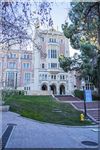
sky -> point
(59, 15)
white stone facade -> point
(48, 76)
(37, 71)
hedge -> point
(80, 94)
(7, 93)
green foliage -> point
(9, 93)
(88, 49)
(84, 23)
(96, 97)
(65, 63)
(43, 108)
(79, 94)
(84, 34)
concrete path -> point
(33, 134)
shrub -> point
(7, 93)
(96, 97)
(79, 94)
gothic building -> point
(36, 69)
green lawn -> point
(43, 108)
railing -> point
(54, 70)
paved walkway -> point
(93, 108)
(33, 134)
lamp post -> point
(0, 93)
(1, 82)
(83, 86)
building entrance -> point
(62, 90)
(44, 87)
(53, 89)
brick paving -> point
(67, 98)
(94, 114)
(89, 105)
(93, 108)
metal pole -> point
(0, 94)
(85, 111)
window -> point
(53, 54)
(48, 53)
(51, 40)
(14, 55)
(42, 66)
(39, 76)
(11, 65)
(54, 40)
(62, 77)
(48, 65)
(27, 88)
(26, 56)
(24, 88)
(26, 65)
(53, 65)
(91, 86)
(53, 77)
(11, 55)
(27, 77)
(45, 76)
(61, 40)
(42, 39)
(11, 79)
(42, 76)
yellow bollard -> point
(82, 117)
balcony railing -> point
(54, 70)
(52, 43)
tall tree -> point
(84, 34)
(19, 18)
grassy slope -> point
(42, 108)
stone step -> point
(67, 98)
(4, 108)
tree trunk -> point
(99, 49)
(99, 76)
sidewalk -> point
(34, 134)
